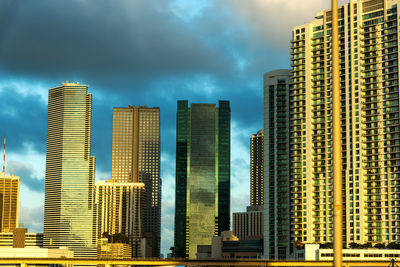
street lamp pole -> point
(337, 143)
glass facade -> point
(202, 175)
(69, 210)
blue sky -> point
(138, 52)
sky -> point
(139, 52)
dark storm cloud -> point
(101, 41)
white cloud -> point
(32, 218)
(273, 20)
(30, 158)
(26, 88)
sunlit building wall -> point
(69, 210)
(9, 201)
(119, 211)
(202, 206)
(276, 164)
(369, 83)
(136, 158)
(257, 169)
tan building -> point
(136, 158)
(257, 169)
(313, 252)
(370, 125)
(69, 210)
(120, 211)
(9, 201)
(21, 239)
(108, 250)
(228, 246)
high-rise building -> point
(369, 83)
(202, 197)
(276, 164)
(249, 225)
(119, 211)
(257, 169)
(136, 158)
(9, 200)
(69, 210)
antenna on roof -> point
(4, 155)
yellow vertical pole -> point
(337, 143)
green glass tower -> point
(202, 206)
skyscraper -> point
(276, 164)
(370, 125)
(69, 210)
(119, 211)
(202, 198)
(257, 169)
(136, 158)
(9, 200)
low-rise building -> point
(20, 238)
(228, 246)
(108, 250)
(35, 252)
(314, 252)
(250, 224)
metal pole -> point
(337, 143)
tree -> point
(380, 245)
(393, 245)
(354, 245)
(366, 245)
(327, 245)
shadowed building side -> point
(257, 169)
(276, 165)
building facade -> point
(69, 210)
(202, 206)
(257, 169)
(276, 164)
(9, 202)
(249, 225)
(369, 82)
(136, 159)
(119, 211)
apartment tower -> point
(276, 164)
(136, 159)
(370, 125)
(9, 200)
(69, 210)
(202, 198)
(257, 169)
